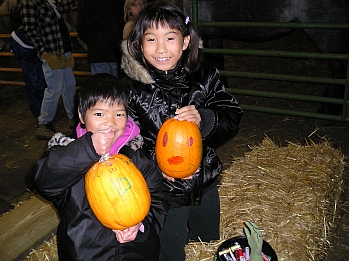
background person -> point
(45, 28)
(99, 26)
(33, 75)
(131, 11)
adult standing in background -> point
(100, 25)
(45, 28)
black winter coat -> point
(154, 97)
(59, 178)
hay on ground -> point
(47, 251)
(291, 193)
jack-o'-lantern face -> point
(178, 148)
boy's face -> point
(103, 115)
(163, 47)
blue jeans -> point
(60, 82)
(111, 68)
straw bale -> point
(290, 192)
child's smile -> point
(106, 117)
(163, 47)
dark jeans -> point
(189, 223)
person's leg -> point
(113, 69)
(54, 81)
(110, 68)
(174, 235)
(68, 94)
(99, 68)
(204, 219)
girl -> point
(131, 10)
(166, 79)
(60, 177)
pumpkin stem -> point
(104, 157)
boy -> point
(59, 178)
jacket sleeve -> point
(63, 167)
(155, 219)
(15, 49)
(30, 17)
(221, 113)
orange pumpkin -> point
(117, 192)
(178, 148)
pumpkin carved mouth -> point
(175, 160)
(178, 148)
(190, 167)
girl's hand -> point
(103, 140)
(168, 177)
(127, 235)
(189, 113)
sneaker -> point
(45, 131)
(72, 123)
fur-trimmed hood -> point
(132, 68)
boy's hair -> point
(15, 16)
(164, 14)
(102, 87)
(127, 15)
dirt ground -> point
(20, 149)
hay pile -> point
(47, 251)
(291, 193)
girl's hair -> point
(164, 14)
(127, 14)
(102, 87)
(15, 16)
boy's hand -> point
(189, 113)
(127, 235)
(102, 141)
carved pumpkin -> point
(117, 192)
(178, 148)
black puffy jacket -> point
(59, 178)
(154, 97)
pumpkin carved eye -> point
(190, 141)
(165, 140)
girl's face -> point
(163, 47)
(136, 7)
(103, 115)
